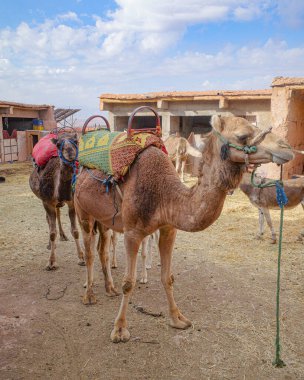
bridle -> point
(72, 163)
(247, 149)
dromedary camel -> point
(179, 149)
(53, 185)
(154, 198)
(265, 199)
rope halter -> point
(72, 163)
(247, 149)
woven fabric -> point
(113, 152)
(44, 150)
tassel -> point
(225, 152)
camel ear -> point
(54, 141)
(217, 123)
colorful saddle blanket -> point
(44, 150)
(112, 152)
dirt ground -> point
(225, 282)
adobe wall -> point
(287, 111)
(48, 118)
(170, 115)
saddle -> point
(44, 150)
(114, 152)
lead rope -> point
(282, 201)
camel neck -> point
(202, 204)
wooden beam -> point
(223, 102)
(162, 104)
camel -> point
(155, 198)
(52, 184)
(146, 253)
(179, 149)
(265, 199)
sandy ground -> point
(225, 283)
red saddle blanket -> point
(44, 150)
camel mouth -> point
(279, 160)
(282, 158)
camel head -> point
(242, 142)
(67, 145)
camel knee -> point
(85, 224)
(52, 236)
(167, 281)
(75, 234)
(127, 287)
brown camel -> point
(154, 198)
(265, 199)
(53, 185)
(179, 149)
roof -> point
(185, 95)
(287, 81)
(4, 103)
(62, 113)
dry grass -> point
(225, 283)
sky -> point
(68, 52)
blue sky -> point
(68, 52)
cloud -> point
(72, 16)
(291, 12)
(67, 62)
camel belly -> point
(92, 198)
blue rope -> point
(106, 182)
(70, 163)
(282, 199)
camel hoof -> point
(273, 241)
(259, 237)
(50, 267)
(89, 299)
(112, 292)
(81, 262)
(148, 266)
(120, 335)
(114, 266)
(143, 280)
(48, 247)
(180, 322)
(300, 238)
(64, 238)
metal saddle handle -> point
(156, 130)
(93, 117)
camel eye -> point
(242, 139)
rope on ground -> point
(55, 298)
(144, 311)
(282, 201)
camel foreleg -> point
(51, 218)
(120, 333)
(114, 240)
(144, 254)
(103, 251)
(166, 242)
(62, 235)
(261, 224)
(87, 228)
(269, 222)
(75, 233)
